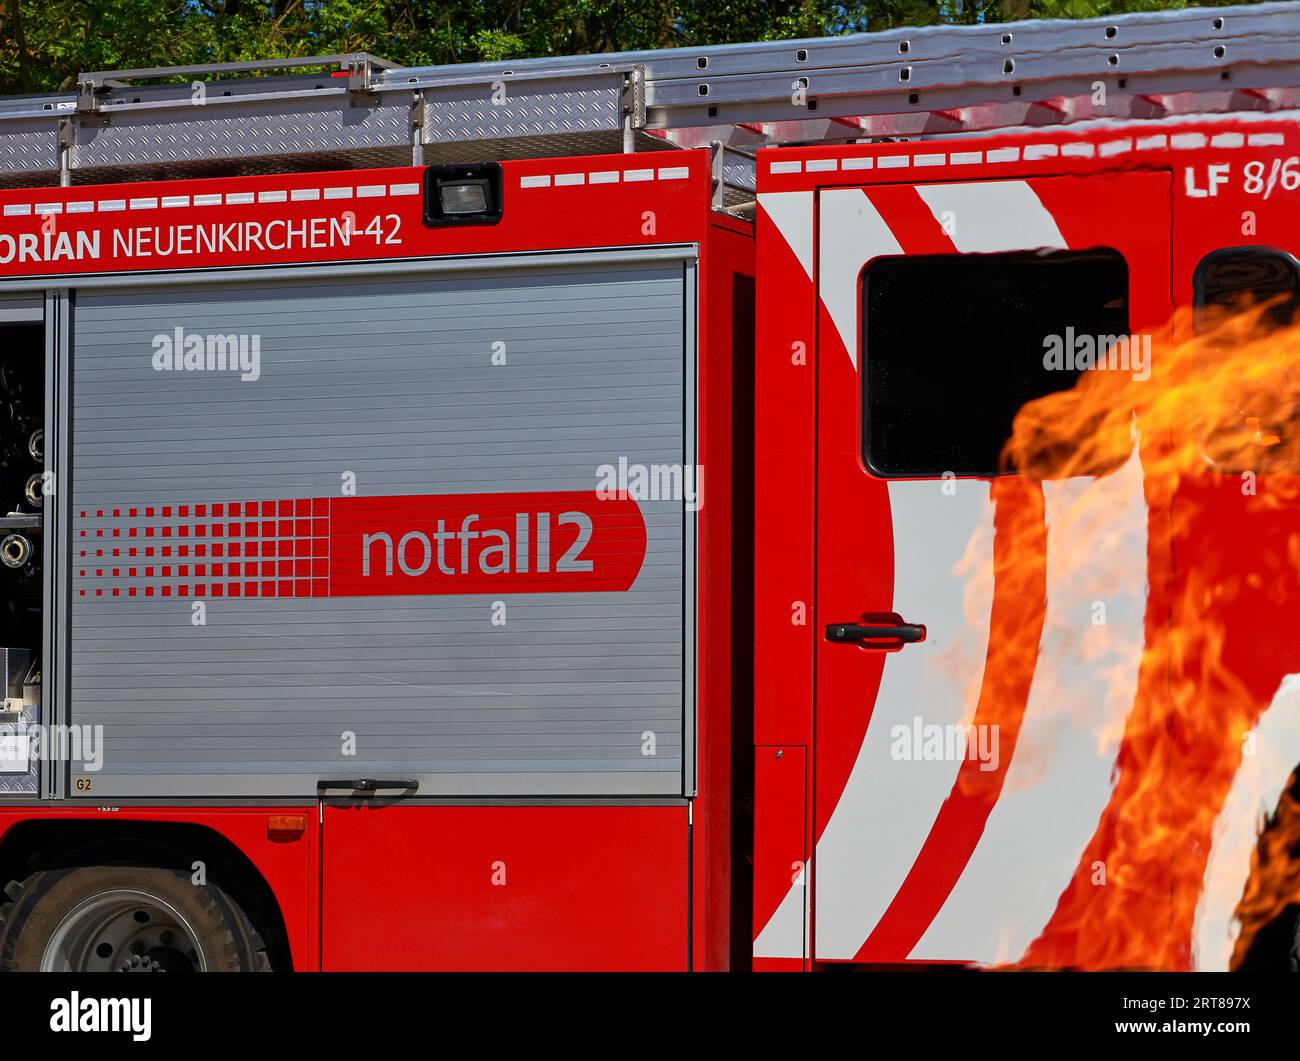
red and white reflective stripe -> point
(889, 805)
(1059, 781)
(786, 933)
(852, 234)
(792, 214)
(1256, 788)
(988, 216)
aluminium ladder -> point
(355, 110)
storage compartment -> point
(331, 529)
(22, 489)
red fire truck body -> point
(542, 881)
(591, 560)
(861, 855)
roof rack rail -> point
(914, 83)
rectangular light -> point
(462, 195)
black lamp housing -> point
(463, 195)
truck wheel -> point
(126, 919)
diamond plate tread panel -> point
(29, 147)
(739, 171)
(28, 783)
(242, 130)
(527, 108)
(246, 166)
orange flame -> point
(1214, 429)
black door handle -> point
(903, 633)
(369, 784)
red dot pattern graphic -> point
(261, 549)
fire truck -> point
(556, 514)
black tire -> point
(221, 939)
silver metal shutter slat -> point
(388, 378)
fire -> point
(1212, 435)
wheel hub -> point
(124, 931)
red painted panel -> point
(505, 888)
(780, 855)
(725, 579)
(357, 215)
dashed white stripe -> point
(605, 176)
(563, 179)
(633, 175)
(674, 173)
(272, 195)
(1035, 152)
(536, 180)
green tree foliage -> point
(44, 44)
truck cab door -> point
(980, 628)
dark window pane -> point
(1256, 428)
(1230, 281)
(953, 346)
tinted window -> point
(1230, 281)
(1250, 430)
(953, 346)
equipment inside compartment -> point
(22, 486)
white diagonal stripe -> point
(852, 234)
(986, 216)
